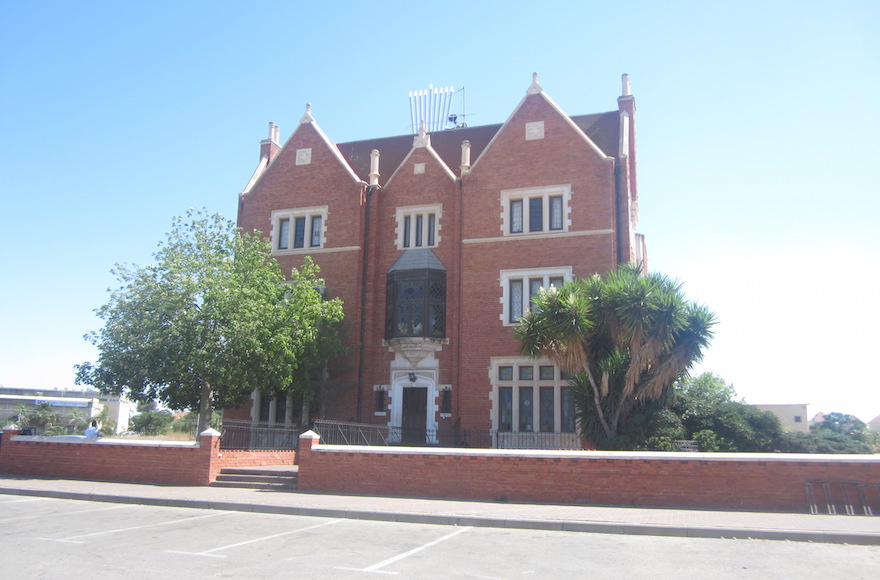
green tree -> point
(77, 421)
(209, 322)
(822, 441)
(703, 409)
(628, 335)
(40, 418)
(152, 422)
(848, 425)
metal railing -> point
(242, 434)
(345, 433)
(852, 498)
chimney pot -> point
(374, 167)
(465, 156)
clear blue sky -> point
(757, 134)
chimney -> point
(374, 167)
(465, 157)
(269, 147)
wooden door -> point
(415, 408)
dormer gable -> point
(421, 149)
(301, 149)
(534, 129)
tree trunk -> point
(204, 407)
(304, 416)
(610, 431)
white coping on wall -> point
(105, 441)
(620, 455)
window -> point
(417, 226)
(308, 229)
(516, 216)
(446, 402)
(532, 396)
(535, 210)
(283, 233)
(519, 287)
(415, 304)
(379, 401)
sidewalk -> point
(572, 518)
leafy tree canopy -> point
(627, 335)
(152, 422)
(843, 424)
(704, 409)
(211, 320)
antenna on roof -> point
(433, 106)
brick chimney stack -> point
(270, 147)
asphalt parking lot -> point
(47, 537)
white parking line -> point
(73, 513)
(75, 539)
(254, 541)
(378, 566)
(24, 500)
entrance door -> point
(415, 408)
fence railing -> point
(242, 434)
(345, 433)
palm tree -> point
(77, 421)
(627, 337)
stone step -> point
(255, 478)
(287, 486)
(289, 470)
(278, 478)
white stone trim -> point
(527, 193)
(413, 211)
(534, 130)
(621, 455)
(532, 237)
(557, 383)
(304, 156)
(292, 213)
(526, 274)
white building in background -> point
(65, 402)
(89, 402)
(793, 417)
(119, 410)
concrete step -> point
(287, 486)
(290, 470)
(280, 478)
(255, 478)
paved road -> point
(47, 537)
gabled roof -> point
(602, 128)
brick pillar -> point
(209, 456)
(7, 434)
(306, 441)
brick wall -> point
(764, 482)
(129, 461)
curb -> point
(826, 537)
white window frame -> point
(382, 389)
(309, 213)
(557, 384)
(525, 275)
(524, 195)
(412, 212)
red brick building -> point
(436, 241)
